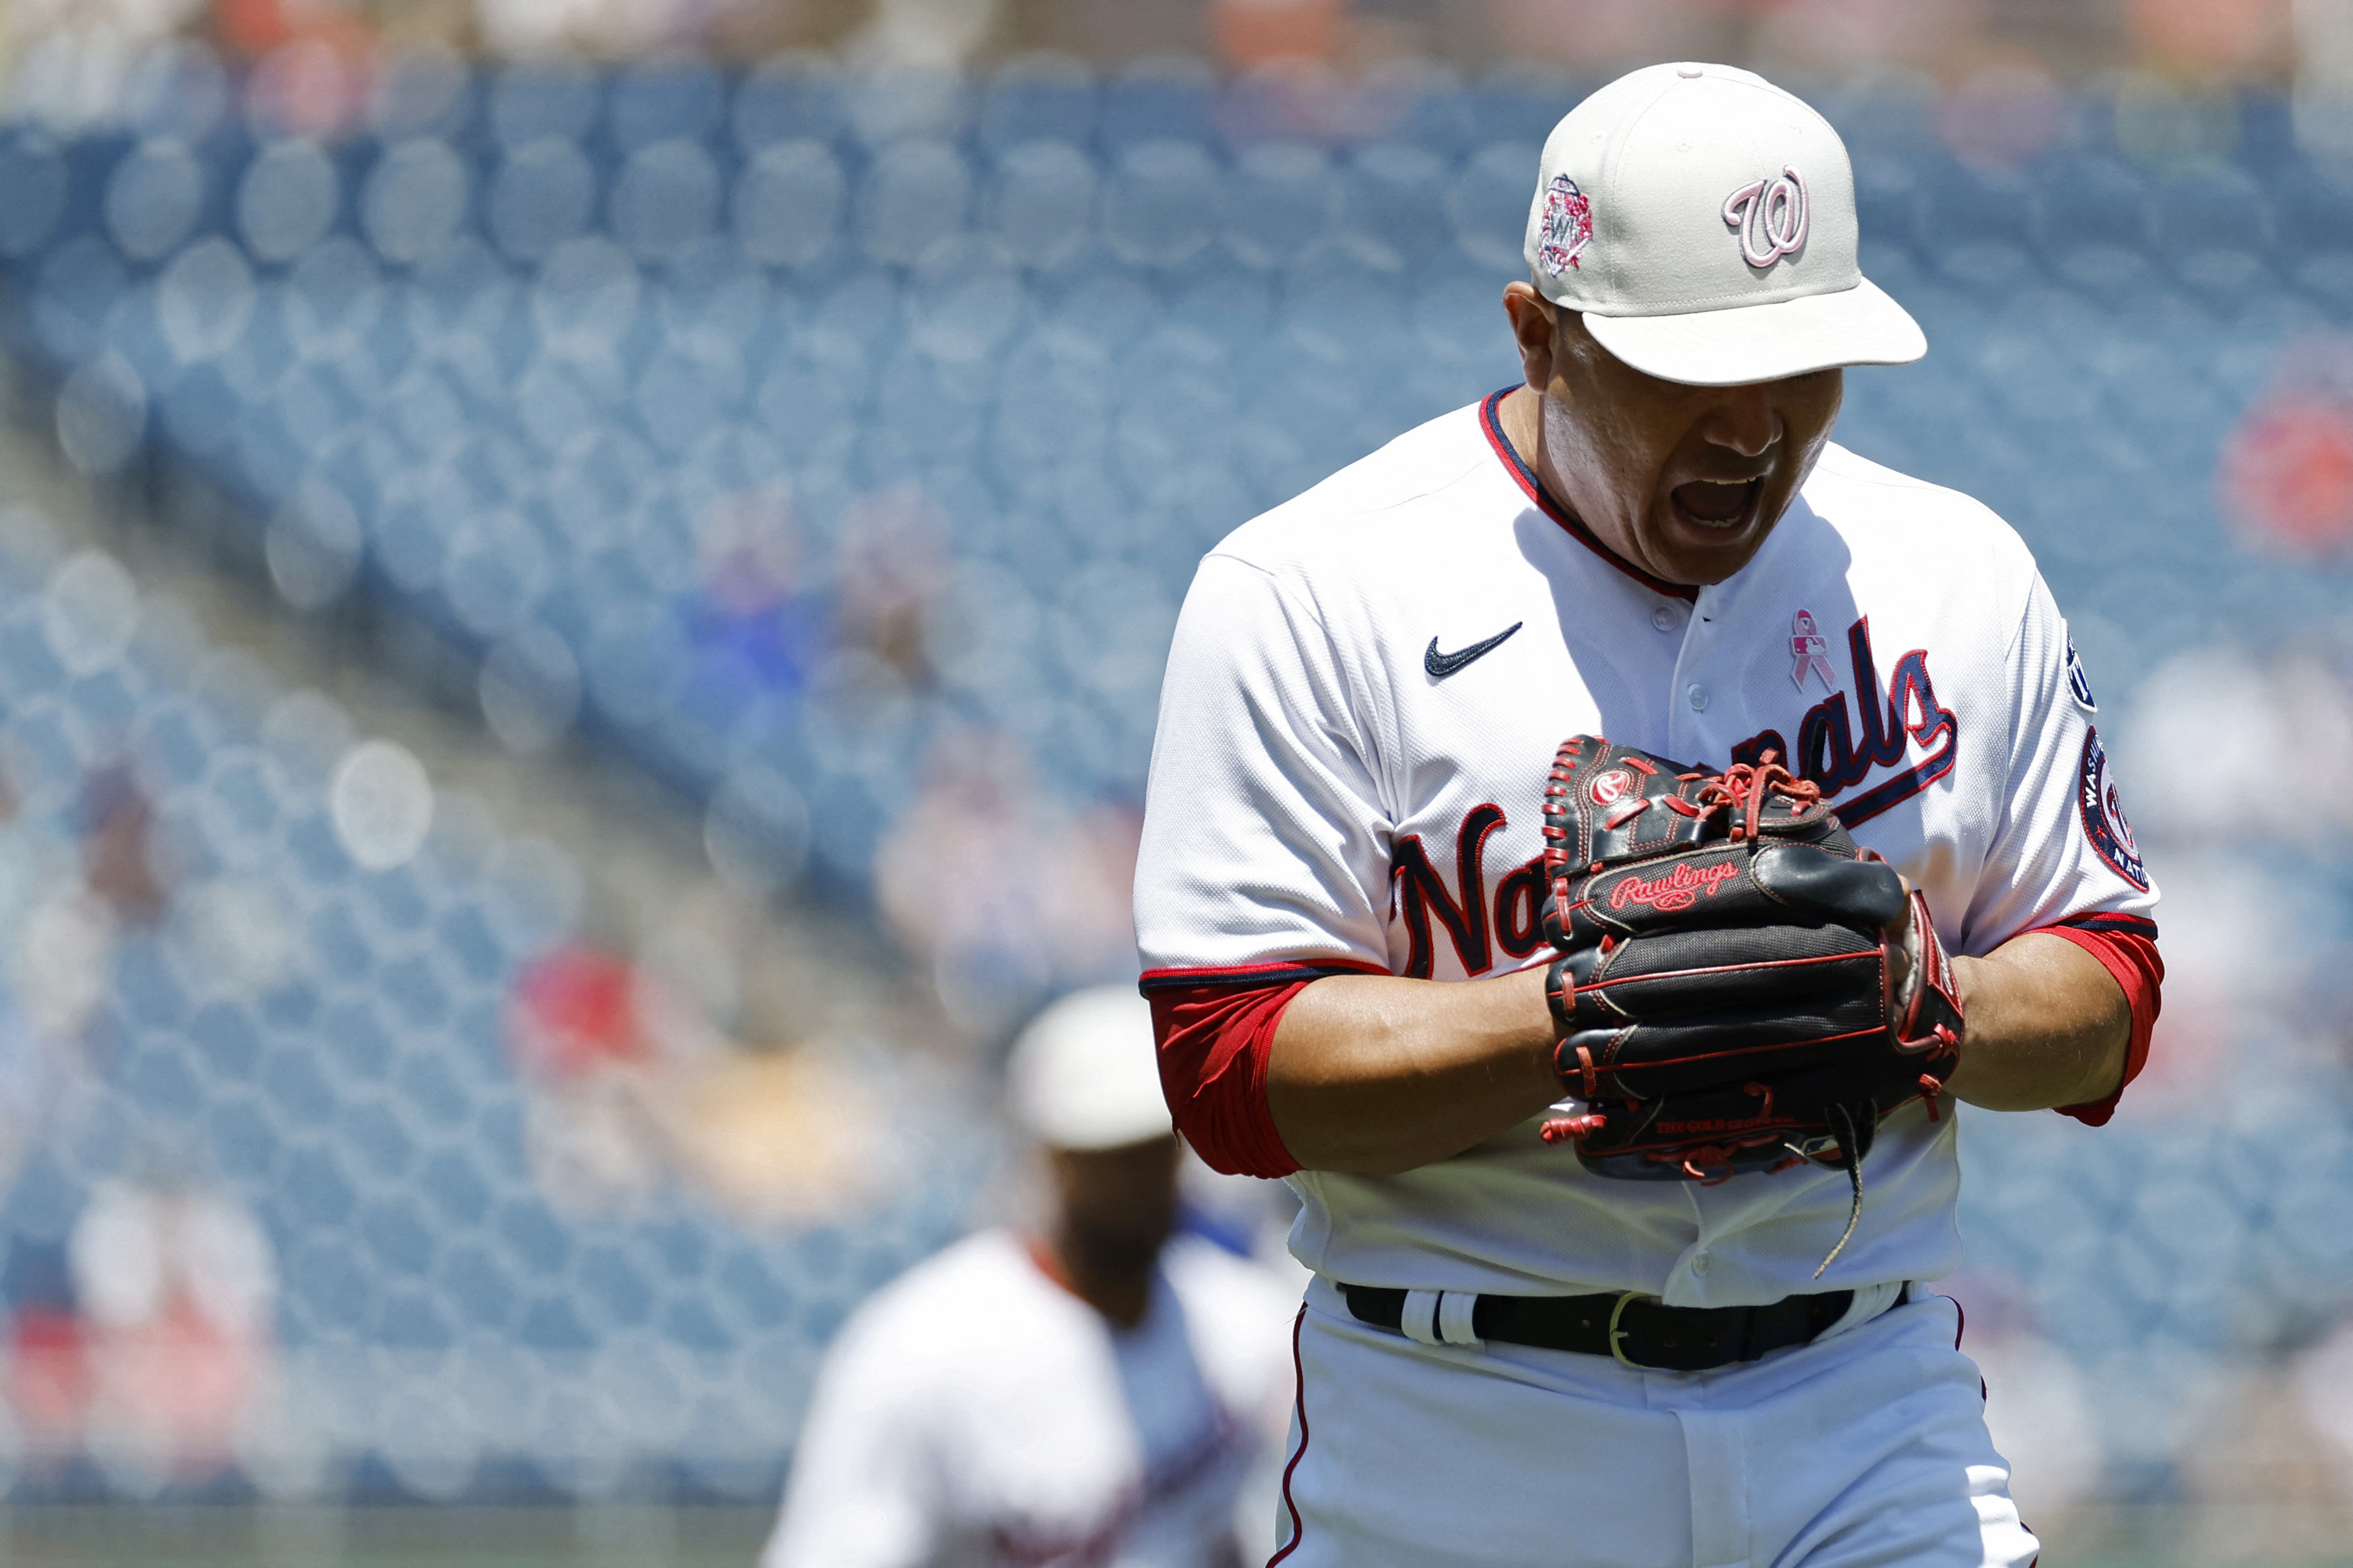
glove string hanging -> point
(1852, 1164)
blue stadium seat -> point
(1976, 226)
(662, 100)
(787, 98)
(2094, 222)
(1157, 100)
(544, 99)
(1037, 97)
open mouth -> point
(1706, 503)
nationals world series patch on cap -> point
(1568, 225)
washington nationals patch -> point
(2077, 681)
(2103, 815)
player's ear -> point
(1535, 323)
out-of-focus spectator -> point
(892, 560)
(117, 852)
(755, 627)
(177, 1286)
(1082, 1390)
(780, 1136)
(58, 920)
(634, 1086)
(2324, 78)
(50, 1381)
(608, 27)
(923, 34)
(2209, 36)
(314, 60)
(128, 20)
(575, 1009)
(1832, 35)
(1257, 32)
(601, 1040)
(1041, 896)
(2286, 474)
(2003, 115)
(54, 951)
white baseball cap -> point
(1086, 1075)
(1703, 222)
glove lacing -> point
(1744, 788)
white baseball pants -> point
(1867, 1447)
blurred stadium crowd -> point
(835, 445)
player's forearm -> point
(2048, 1026)
(1373, 1075)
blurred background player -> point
(1095, 1389)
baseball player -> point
(1094, 1396)
(1591, 842)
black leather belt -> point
(1637, 1330)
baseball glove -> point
(1737, 988)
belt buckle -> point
(1617, 1334)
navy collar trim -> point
(1491, 421)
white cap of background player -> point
(1703, 221)
(1085, 1074)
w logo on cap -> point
(1770, 215)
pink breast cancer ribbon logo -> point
(1813, 651)
(1770, 215)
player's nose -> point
(1742, 418)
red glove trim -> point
(1215, 1043)
(2130, 954)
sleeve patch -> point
(2077, 681)
(2103, 815)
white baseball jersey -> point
(975, 1412)
(1367, 687)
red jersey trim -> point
(1491, 424)
(1298, 1373)
(1273, 972)
(2125, 946)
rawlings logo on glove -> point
(1679, 890)
(1739, 987)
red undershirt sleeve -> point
(1215, 1043)
(2131, 956)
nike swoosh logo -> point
(1441, 665)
